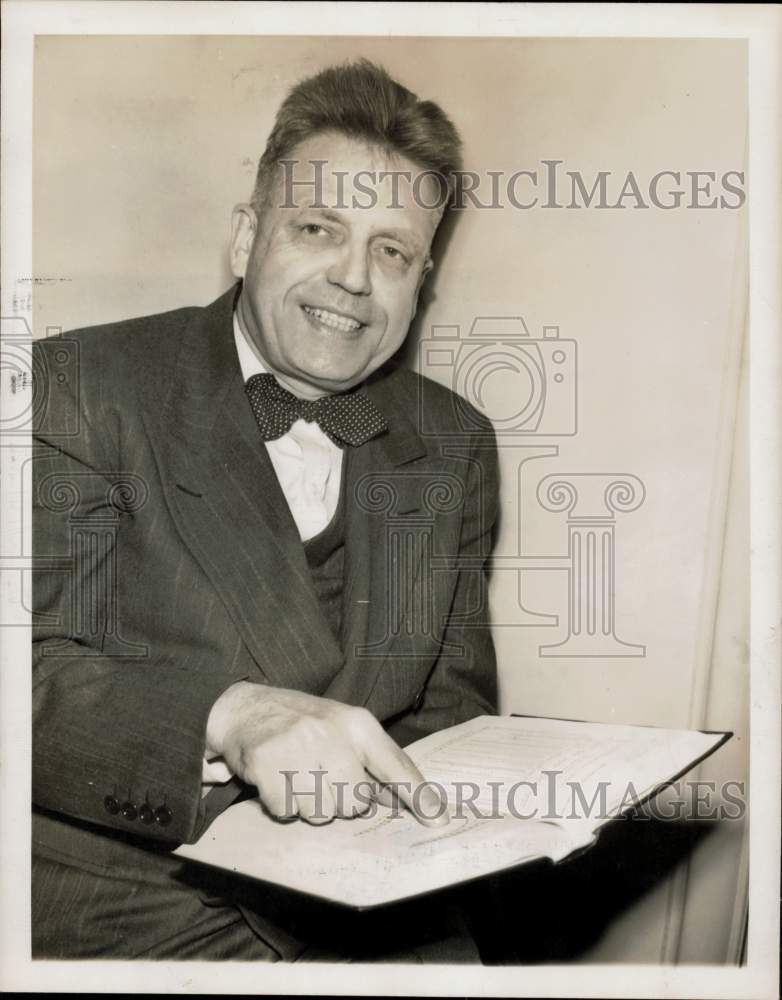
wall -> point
(142, 145)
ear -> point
(428, 265)
(244, 225)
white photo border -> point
(762, 28)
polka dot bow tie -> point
(349, 418)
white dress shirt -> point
(309, 468)
(307, 462)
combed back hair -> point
(360, 100)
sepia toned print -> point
(382, 418)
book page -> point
(576, 773)
(377, 858)
(509, 784)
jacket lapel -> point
(389, 533)
(228, 505)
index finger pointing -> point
(391, 765)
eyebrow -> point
(327, 213)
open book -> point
(518, 789)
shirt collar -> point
(249, 360)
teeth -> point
(333, 320)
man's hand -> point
(263, 732)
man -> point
(239, 531)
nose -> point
(350, 271)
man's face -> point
(329, 292)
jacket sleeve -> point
(118, 734)
(460, 687)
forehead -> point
(334, 172)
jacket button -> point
(129, 810)
(163, 815)
(145, 813)
(111, 805)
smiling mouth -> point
(333, 321)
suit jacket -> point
(168, 567)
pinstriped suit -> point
(170, 567)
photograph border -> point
(762, 28)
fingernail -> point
(436, 810)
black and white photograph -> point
(390, 444)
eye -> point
(312, 229)
(393, 253)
